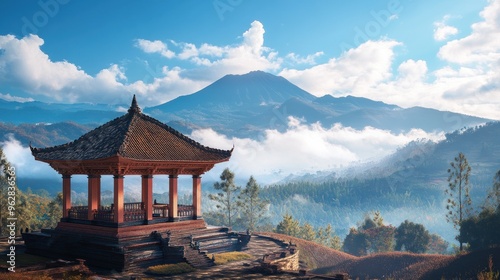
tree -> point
(356, 243)
(252, 206)
(437, 245)
(493, 198)
(227, 197)
(380, 236)
(481, 231)
(307, 232)
(328, 238)
(288, 226)
(413, 237)
(459, 203)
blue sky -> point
(438, 54)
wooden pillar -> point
(172, 193)
(118, 198)
(94, 194)
(66, 200)
(147, 195)
(196, 197)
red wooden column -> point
(196, 197)
(118, 198)
(172, 193)
(66, 203)
(147, 195)
(94, 194)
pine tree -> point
(288, 226)
(252, 206)
(459, 203)
(307, 232)
(226, 199)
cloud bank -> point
(307, 148)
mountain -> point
(41, 112)
(245, 105)
(43, 135)
(230, 104)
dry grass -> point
(227, 257)
(388, 265)
(311, 254)
(170, 269)
(398, 265)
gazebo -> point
(133, 144)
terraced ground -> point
(321, 260)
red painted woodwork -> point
(196, 196)
(118, 199)
(147, 195)
(66, 195)
(172, 193)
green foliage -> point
(481, 231)
(459, 203)
(414, 237)
(324, 236)
(372, 236)
(170, 269)
(307, 232)
(226, 198)
(288, 226)
(493, 198)
(356, 243)
(437, 245)
(31, 210)
(253, 208)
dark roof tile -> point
(135, 136)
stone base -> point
(106, 247)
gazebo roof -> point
(134, 136)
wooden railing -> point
(185, 210)
(79, 212)
(132, 212)
(105, 213)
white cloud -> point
(355, 70)
(24, 65)
(482, 45)
(309, 59)
(307, 148)
(26, 165)
(442, 31)
(8, 97)
(216, 61)
(156, 46)
(469, 84)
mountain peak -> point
(244, 92)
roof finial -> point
(134, 108)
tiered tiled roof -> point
(133, 136)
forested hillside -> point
(409, 184)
